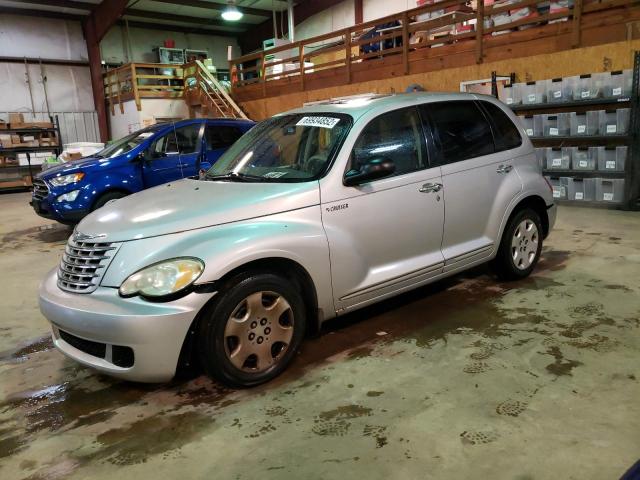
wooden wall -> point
(612, 56)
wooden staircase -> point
(206, 96)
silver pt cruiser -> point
(313, 213)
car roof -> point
(358, 105)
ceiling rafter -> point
(177, 28)
(134, 12)
(41, 13)
(217, 6)
(63, 4)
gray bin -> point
(612, 159)
(609, 189)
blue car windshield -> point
(125, 144)
(288, 148)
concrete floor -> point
(468, 378)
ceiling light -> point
(231, 13)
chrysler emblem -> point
(83, 237)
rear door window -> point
(221, 136)
(460, 130)
(505, 134)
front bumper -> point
(60, 212)
(154, 331)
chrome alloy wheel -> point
(524, 244)
(258, 332)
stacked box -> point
(558, 124)
(532, 125)
(586, 123)
(619, 85)
(559, 185)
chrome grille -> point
(40, 189)
(83, 265)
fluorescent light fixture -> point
(231, 13)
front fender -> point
(297, 235)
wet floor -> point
(467, 378)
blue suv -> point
(149, 157)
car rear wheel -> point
(520, 246)
(251, 333)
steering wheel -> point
(314, 163)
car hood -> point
(73, 166)
(190, 204)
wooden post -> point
(577, 19)
(301, 55)
(119, 87)
(134, 87)
(479, 30)
(347, 54)
(405, 42)
(263, 73)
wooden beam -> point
(217, 6)
(134, 12)
(63, 4)
(95, 27)
(479, 30)
(178, 28)
(358, 11)
(577, 19)
(28, 12)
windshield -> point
(125, 144)
(288, 148)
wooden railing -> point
(134, 81)
(406, 34)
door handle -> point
(430, 188)
(504, 169)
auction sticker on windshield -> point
(322, 122)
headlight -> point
(69, 196)
(162, 279)
(66, 179)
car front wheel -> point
(251, 333)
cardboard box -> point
(3, 125)
(16, 118)
(5, 140)
(15, 139)
(72, 156)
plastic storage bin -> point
(559, 90)
(609, 189)
(532, 125)
(512, 94)
(614, 122)
(558, 158)
(619, 85)
(557, 124)
(590, 86)
(586, 123)
(584, 158)
(534, 92)
(541, 155)
(559, 186)
(611, 159)
(582, 189)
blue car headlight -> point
(66, 179)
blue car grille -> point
(40, 189)
(83, 265)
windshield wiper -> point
(235, 177)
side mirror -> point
(372, 170)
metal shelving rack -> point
(28, 150)
(631, 173)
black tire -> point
(504, 264)
(214, 348)
(106, 198)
